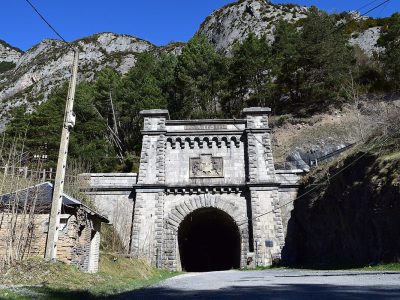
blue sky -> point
(158, 21)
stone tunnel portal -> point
(209, 240)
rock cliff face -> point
(9, 53)
(235, 21)
(351, 219)
(48, 64)
(367, 41)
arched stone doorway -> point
(209, 240)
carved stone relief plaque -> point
(206, 166)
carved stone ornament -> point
(206, 166)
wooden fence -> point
(23, 172)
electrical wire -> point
(366, 5)
(375, 7)
(361, 15)
(336, 29)
(317, 185)
(48, 23)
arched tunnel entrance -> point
(209, 240)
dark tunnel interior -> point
(209, 240)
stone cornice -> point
(257, 130)
(263, 184)
(204, 132)
(153, 132)
(256, 111)
(155, 113)
(105, 188)
(205, 121)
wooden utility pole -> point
(68, 123)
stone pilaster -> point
(159, 230)
(152, 157)
(147, 233)
(266, 216)
(160, 159)
(259, 146)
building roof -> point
(42, 194)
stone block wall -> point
(288, 192)
(36, 238)
(179, 150)
(167, 191)
(177, 207)
(76, 245)
(186, 165)
(144, 221)
(112, 195)
(267, 223)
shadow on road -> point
(281, 292)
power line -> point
(375, 7)
(343, 169)
(361, 15)
(366, 5)
(318, 185)
(47, 22)
(337, 29)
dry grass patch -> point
(60, 281)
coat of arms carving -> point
(206, 166)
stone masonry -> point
(189, 165)
(224, 164)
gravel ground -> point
(275, 284)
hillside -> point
(48, 64)
(27, 78)
(296, 60)
(348, 216)
(234, 22)
(9, 53)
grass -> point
(261, 268)
(383, 267)
(391, 156)
(10, 294)
(60, 281)
(388, 267)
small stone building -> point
(24, 218)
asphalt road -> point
(275, 284)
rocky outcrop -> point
(367, 41)
(9, 53)
(235, 21)
(48, 64)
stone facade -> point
(223, 164)
(189, 166)
(113, 196)
(78, 243)
(24, 221)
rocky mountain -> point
(9, 53)
(27, 78)
(235, 21)
(48, 64)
